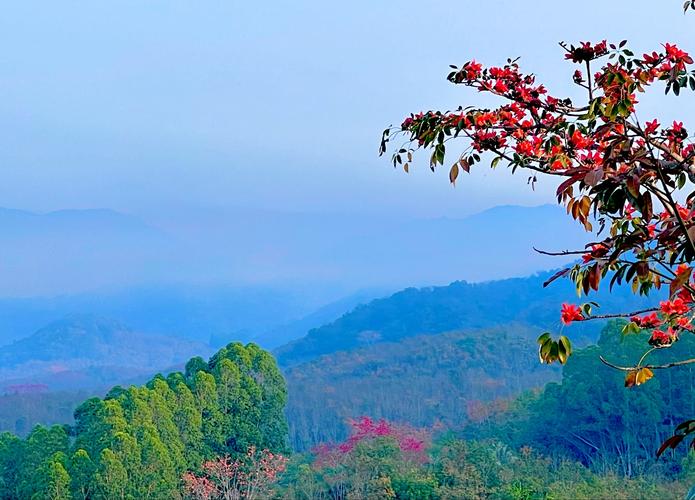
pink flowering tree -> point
(627, 179)
(375, 450)
(411, 442)
(247, 478)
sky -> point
(166, 106)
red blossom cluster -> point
(533, 129)
(612, 169)
(674, 314)
(570, 313)
(674, 307)
(663, 339)
(586, 51)
(200, 488)
(248, 477)
(631, 178)
(412, 442)
(648, 321)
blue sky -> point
(159, 106)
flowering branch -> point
(611, 169)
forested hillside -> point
(23, 407)
(584, 436)
(456, 427)
(287, 332)
(385, 460)
(590, 416)
(427, 381)
(92, 353)
(470, 380)
(138, 442)
(458, 306)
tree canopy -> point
(626, 178)
(137, 442)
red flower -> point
(649, 321)
(685, 295)
(682, 269)
(558, 164)
(677, 133)
(500, 87)
(675, 306)
(629, 210)
(586, 52)
(678, 56)
(525, 148)
(684, 323)
(579, 141)
(663, 339)
(569, 313)
(651, 127)
(652, 58)
(683, 212)
(472, 69)
(591, 159)
(598, 251)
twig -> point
(622, 315)
(651, 367)
(562, 252)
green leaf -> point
(631, 328)
(561, 354)
(565, 342)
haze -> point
(242, 138)
(149, 107)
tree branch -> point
(651, 367)
(562, 252)
(622, 315)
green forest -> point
(220, 428)
(137, 442)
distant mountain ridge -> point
(67, 251)
(85, 351)
(75, 219)
(241, 275)
(195, 312)
(73, 251)
(287, 332)
(460, 305)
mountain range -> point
(220, 276)
(338, 336)
(88, 352)
(210, 313)
(478, 335)
(70, 252)
(460, 305)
